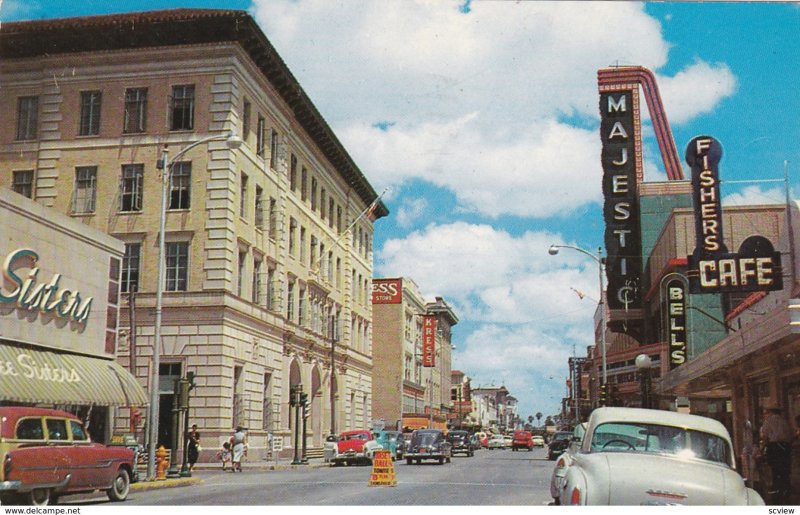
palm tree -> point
(539, 418)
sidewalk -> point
(248, 464)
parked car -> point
(497, 442)
(522, 440)
(357, 446)
(483, 438)
(558, 444)
(428, 444)
(462, 442)
(634, 456)
(402, 444)
(564, 461)
(329, 448)
(538, 441)
(507, 441)
(388, 440)
(47, 453)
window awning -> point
(39, 376)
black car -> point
(402, 443)
(462, 442)
(428, 444)
(558, 444)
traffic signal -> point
(306, 411)
(603, 395)
(303, 399)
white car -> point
(508, 441)
(538, 441)
(497, 442)
(633, 456)
(329, 448)
(564, 461)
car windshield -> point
(560, 437)
(424, 438)
(653, 438)
(358, 436)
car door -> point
(92, 458)
(34, 463)
(74, 457)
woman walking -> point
(194, 446)
(239, 444)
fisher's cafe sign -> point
(712, 269)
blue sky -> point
(482, 119)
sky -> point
(482, 119)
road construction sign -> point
(382, 470)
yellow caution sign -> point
(382, 470)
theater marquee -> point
(712, 269)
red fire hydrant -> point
(162, 464)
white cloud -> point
(475, 100)
(410, 211)
(754, 196)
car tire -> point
(441, 461)
(408, 461)
(39, 497)
(120, 486)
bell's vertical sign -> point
(712, 269)
(676, 322)
(620, 158)
(429, 341)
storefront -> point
(59, 303)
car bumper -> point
(425, 455)
(349, 456)
(10, 486)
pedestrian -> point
(776, 436)
(193, 451)
(239, 448)
(224, 455)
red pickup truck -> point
(354, 447)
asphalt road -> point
(491, 477)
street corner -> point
(142, 486)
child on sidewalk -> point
(224, 455)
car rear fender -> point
(577, 477)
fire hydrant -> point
(162, 464)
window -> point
(303, 183)
(240, 285)
(56, 429)
(313, 194)
(182, 108)
(293, 173)
(303, 244)
(339, 219)
(27, 117)
(30, 429)
(78, 434)
(83, 200)
(135, 110)
(290, 303)
(245, 119)
(292, 229)
(131, 187)
(272, 290)
(256, 292)
(322, 203)
(273, 218)
(330, 213)
(260, 136)
(22, 182)
(301, 307)
(177, 259)
(90, 113)
(130, 267)
(180, 180)
(243, 196)
(273, 150)
(259, 209)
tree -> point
(539, 418)
(548, 421)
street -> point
(491, 477)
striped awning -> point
(38, 376)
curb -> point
(142, 486)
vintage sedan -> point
(356, 446)
(497, 442)
(564, 461)
(428, 444)
(47, 453)
(633, 456)
(388, 440)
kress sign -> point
(712, 269)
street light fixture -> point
(233, 143)
(643, 363)
(553, 250)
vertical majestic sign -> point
(711, 268)
(429, 341)
(618, 116)
(676, 322)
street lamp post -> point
(233, 143)
(553, 250)
(643, 363)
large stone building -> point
(268, 247)
(406, 391)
